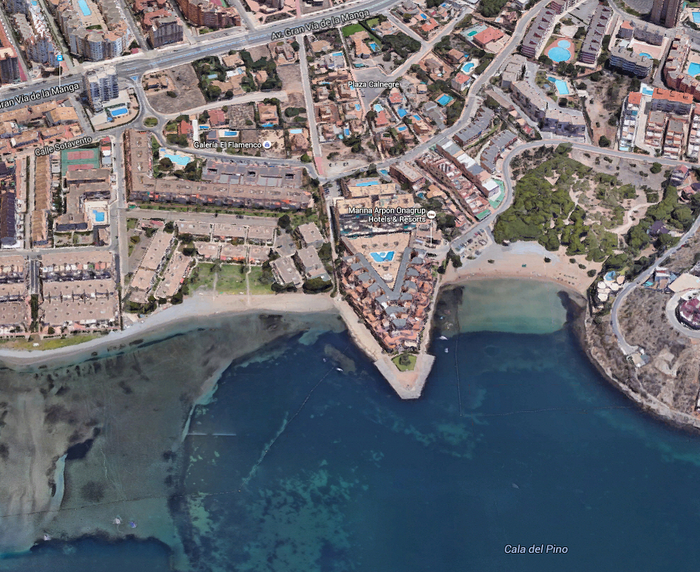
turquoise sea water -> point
(517, 440)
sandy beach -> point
(524, 260)
(160, 323)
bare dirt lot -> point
(606, 97)
(291, 81)
(186, 88)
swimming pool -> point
(346, 131)
(84, 8)
(230, 133)
(646, 90)
(696, 17)
(466, 68)
(417, 118)
(358, 107)
(445, 99)
(401, 112)
(118, 111)
(337, 54)
(378, 107)
(562, 87)
(99, 216)
(401, 128)
(694, 69)
(387, 256)
(295, 131)
(180, 160)
(373, 45)
(366, 183)
(560, 52)
(645, 55)
(268, 124)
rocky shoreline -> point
(599, 344)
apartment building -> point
(286, 273)
(539, 31)
(597, 29)
(153, 260)
(628, 121)
(477, 127)
(78, 291)
(671, 101)
(310, 235)
(693, 149)
(163, 29)
(676, 131)
(495, 148)
(666, 12)
(656, 126)
(209, 14)
(34, 32)
(96, 32)
(513, 71)
(551, 117)
(223, 183)
(101, 86)
(630, 62)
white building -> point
(101, 86)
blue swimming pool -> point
(560, 52)
(268, 124)
(99, 216)
(401, 112)
(466, 68)
(382, 256)
(337, 54)
(295, 131)
(84, 8)
(694, 69)
(696, 17)
(646, 90)
(180, 160)
(562, 87)
(118, 111)
(378, 107)
(417, 118)
(445, 99)
(645, 55)
(346, 131)
(373, 45)
(366, 183)
(358, 107)
(401, 128)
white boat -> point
(338, 369)
(442, 338)
(447, 350)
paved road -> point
(643, 277)
(134, 66)
(310, 109)
(245, 220)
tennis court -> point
(74, 159)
